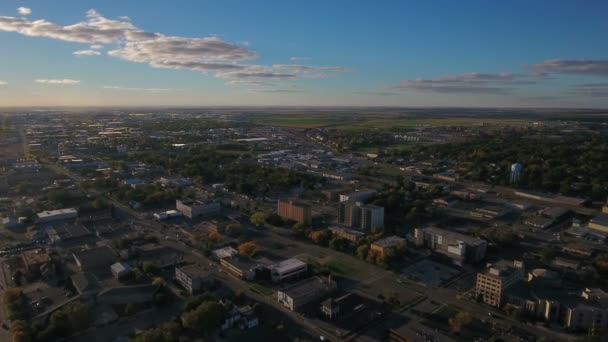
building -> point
(367, 217)
(492, 284)
(392, 242)
(295, 296)
(94, 258)
(295, 211)
(35, 259)
(56, 215)
(165, 215)
(192, 277)
(287, 269)
(457, 246)
(120, 270)
(224, 252)
(193, 209)
(588, 314)
(600, 223)
(347, 234)
(358, 196)
(239, 267)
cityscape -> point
(161, 181)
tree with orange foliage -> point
(213, 235)
(248, 249)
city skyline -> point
(413, 54)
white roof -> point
(48, 213)
(287, 265)
(225, 252)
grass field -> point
(356, 122)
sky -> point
(433, 53)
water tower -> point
(516, 172)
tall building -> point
(497, 278)
(294, 210)
(461, 248)
(358, 215)
(515, 173)
(361, 196)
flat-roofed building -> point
(287, 269)
(224, 252)
(346, 233)
(193, 209)
(457, 246)
(360, 196)
(192, 277)
(294, 210)
(94, 258)
(239, 267)
(295, 296)
(497, 278)
(600, 223)
(120, 270)
(392, 242)
(590, 313)
(56, 215)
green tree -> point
(205, 318)
(258, 219)
(362, 252)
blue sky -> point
(392, 53)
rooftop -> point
(309, 286)
(389, 241)
(50, 213)
(287, 265)
(470, 240)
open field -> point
(357, 121)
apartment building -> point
(358, 215)
(294, 210)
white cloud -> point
(87, 53)
(295, 59)
(3, 83)
(204, 54)
(152, 90)
(24, 10)
(64, 81)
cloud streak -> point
(589, 67)
(473, 83)
(87, 53)
(64, 81)
(3, 83)
(151, 90)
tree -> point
(461, 320)
(321, 237)
(167, 332)
(205, 318)
(362, 251)
(258, 219)
(12, 295)
(338, 244)
(275, 220)
(159, 281)
(547, 254)
(148, 267)
(248, 249)
(233, 230)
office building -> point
(599, 223)
(358, 196)
(295, 211)
(288, 269)
(193, 209)
(295, 296)
(461, 248)
(492, 284)
(192, 277)
(56, 215)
